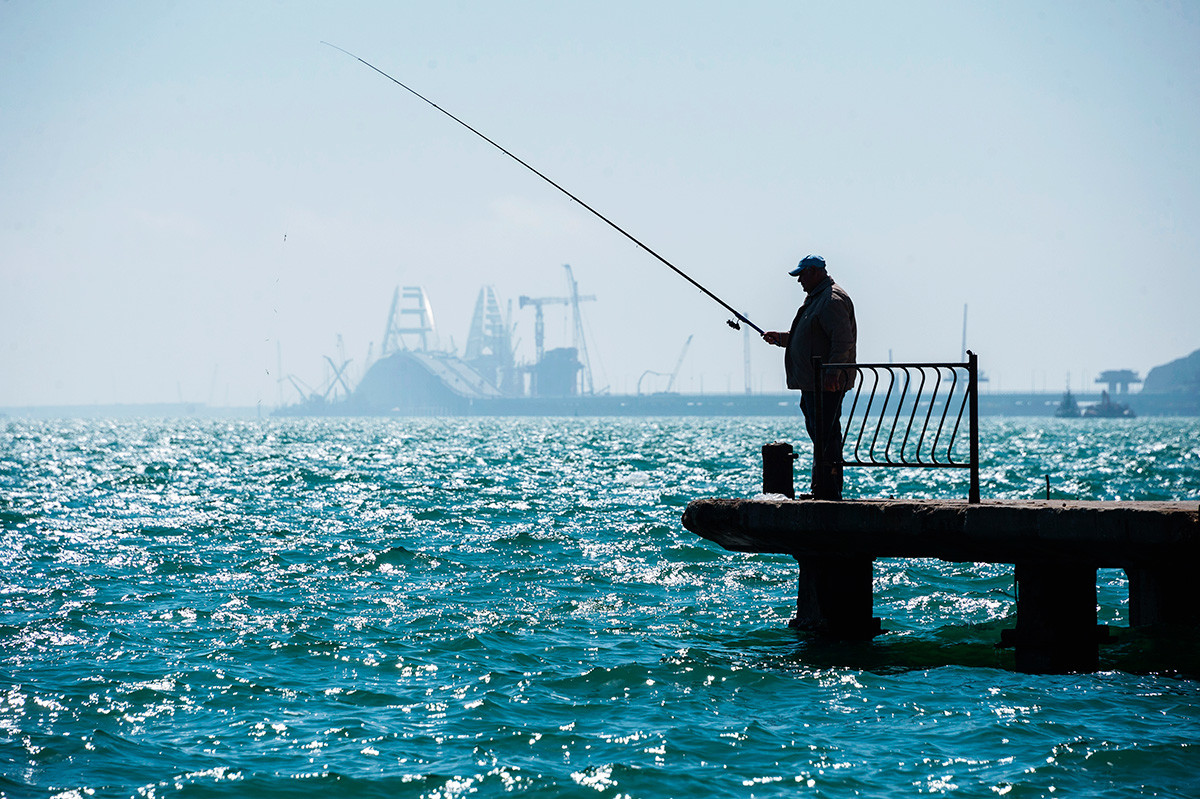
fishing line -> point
(732, 322)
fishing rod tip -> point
(342, 49)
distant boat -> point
(1068, 408)
(1107, 409)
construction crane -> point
(309, 394)
(674, 373)
(303, 389)
(337, 375)
(679, 364)
(579, 340)
(539, 321)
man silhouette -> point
(824, 326)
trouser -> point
(827, 430)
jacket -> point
(823, 326)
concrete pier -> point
(1055, 546)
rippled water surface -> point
(447, 608)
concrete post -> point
(834, 597)
(1162, 594)
(1056, 618)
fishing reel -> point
(733, 323)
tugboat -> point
(1068, 408)
(1107, 409)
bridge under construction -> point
(415, 375)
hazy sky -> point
(188, 188)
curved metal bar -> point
(958, 420)
(867, 412)
(882, 413)
(850, 418)
(912, 416)
(937, 383)
(887, 453)
(945, 410)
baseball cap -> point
(807, 262)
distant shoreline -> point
(1021, 404)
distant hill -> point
(1180, 376)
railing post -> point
(973, 368)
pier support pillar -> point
(1163, 594)
(1056, 618)
(835, 597)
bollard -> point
(777, 469)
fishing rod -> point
(731, 322)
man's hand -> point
(779, 339)
(836, 381)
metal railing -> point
(907, 415)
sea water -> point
(477, 607)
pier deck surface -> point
(1100, 534)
